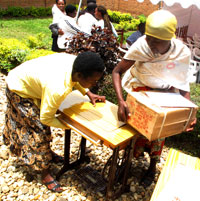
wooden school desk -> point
(99, 125)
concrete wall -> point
(128, 6)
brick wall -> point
(36, 3)
(129, 6)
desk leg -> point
(66, 154)
(67, 165)
(112, 173)
(128, 164)
(83, 146)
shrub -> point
(114, 16)
(16, 11)
(37, 53)
(38, 12)
(102, 42)
(3, 12)
(14, 52)
(13, 11)
(125, 17)
(108, 90)
(142, 18)
(36, 42)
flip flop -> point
(57, 185)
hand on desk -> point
(95, 98)
(123, 111)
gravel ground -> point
(15, 186)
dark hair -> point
(58, 0)
(91, 7)
(87, 63)
(141, 27)
(105, 16)
(70, 8)
(91, 1)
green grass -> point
(21, 28)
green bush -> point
(16, 11)
(37, 53)
(39, 12)
(36, 42)
(125, 17)
(3, 12)
(14, 52)
(13, 11)
(142, 18)
(114, 16)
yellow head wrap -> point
(161, 24)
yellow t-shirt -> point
(47, 80)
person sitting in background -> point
(134, 36)
(35, 90)
(69, 27)
(87, 20)
(58, 12)
(103, 19)
(155, 61)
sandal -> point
(56, 158)
(57, 185)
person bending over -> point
(35, 90)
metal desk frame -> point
(110, 194)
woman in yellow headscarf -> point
(155, 61)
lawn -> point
(22, 28)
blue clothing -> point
(134, 36)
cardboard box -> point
(156, 122)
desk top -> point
(97, 123)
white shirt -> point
(86, 21)
(57, 14)
(70, 28)
(101, 24)
(159, 71)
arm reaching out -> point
(122, 67)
